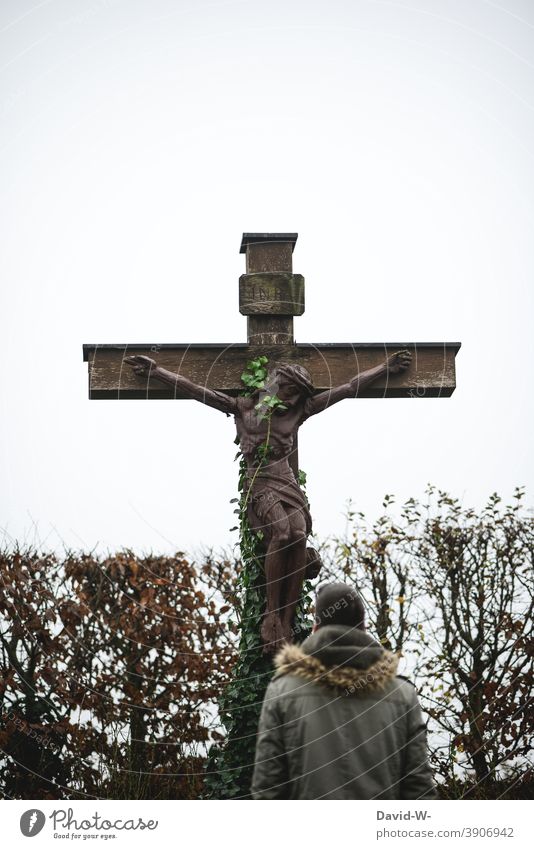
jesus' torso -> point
(253, 430)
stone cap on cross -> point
(270, 295)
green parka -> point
(338, 723)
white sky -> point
(141, 138)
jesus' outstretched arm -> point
(146, 367)
(395, 364)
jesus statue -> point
(276, 504)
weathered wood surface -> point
(269, 330)
(431, 375)
(268, 251)
(271, 293)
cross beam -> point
(270, 295)
(432, 374)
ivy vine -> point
(230, 767)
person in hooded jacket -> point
(337, 722)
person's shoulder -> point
(400, 688)
(275, 694)
(405, 689)
(278, 685)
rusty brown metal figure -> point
(276, 504)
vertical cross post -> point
(270, 294)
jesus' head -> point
(289, 382)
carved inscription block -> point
(271, 293)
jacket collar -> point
(342, 658)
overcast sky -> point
(141, 138)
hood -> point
(340, 657)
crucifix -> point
(303, 380)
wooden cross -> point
(270, 295)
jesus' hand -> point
(141, 365)
(398, 362)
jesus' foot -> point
(272, 633)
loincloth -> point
(274, 485)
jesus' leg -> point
(276, 558)
(295, 571)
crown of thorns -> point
(298, 375)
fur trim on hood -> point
(366, 668)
